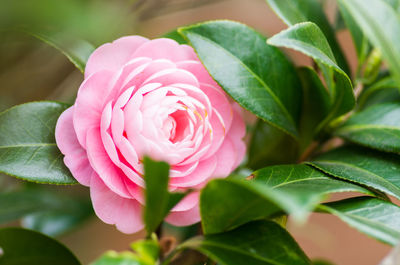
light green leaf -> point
(294, 189)
(297, 11)
(256, 243)
(249, 76)
(114, 258)
(308, 38)
(364, 166)
(25, 247)
(373, 217)
(158, 200)
(376, 127)
(77, 51)
(28, 148)
(381, 24)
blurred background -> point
(32, 70)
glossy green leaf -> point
(364, 166)
(294, 189)
(158, 200)
(316, 105)
(249, 75)
(270, 146)
(25, 247)
(256, 243)
(376, 218)
(376, 127)
(381, 24)
(77, 51)
(296, 11)
(308, 38)
(28, 148)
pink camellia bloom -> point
(148, 97)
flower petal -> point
(112, 56)
(75, 156)
(126, 214)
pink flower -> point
(148, 97)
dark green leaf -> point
(25, 247)
(376, 127)
(316, 105)
(376, 218)
(28, 148)
(270, 146)
(294, 189)
(256, 243)
(364, 166)
(308, 38)
(250, 76)
(381, 24)
(77, 51)
(296, 11)
(158, 200)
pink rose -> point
(148, 97)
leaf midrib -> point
(332, 162)
(27, 145)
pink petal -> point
(112, 56)
(236, 134)
(198, 69)
(187, 203)
(226, 159)
(75, 156)
(111, 175)
(166, 49)
(184, 218)
(126, 214)
(89, 105)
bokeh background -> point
(31, 70)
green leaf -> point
(296, 11)
(376, 218)
(364, 166)
(308, 38)
(256, 243)
(249, 76)
(377, 127)
(44, 211)
(25, 247)
(174, 34)
(114, 258)
(381, 24)
(270, 146)
(294, 189)
(383, 90)
(316, 105)
(77, 51)
(28, 148)
(359, 39)
(158, 200)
